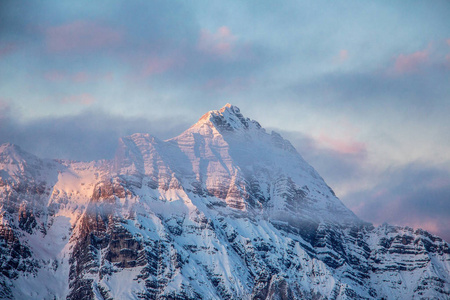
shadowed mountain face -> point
(225, 210)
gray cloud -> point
(334, 166)
(159, 45)
(369, 92)
(90, 135)
(415, 195)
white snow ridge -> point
(225, 210)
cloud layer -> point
(90, 135)
(414, 195)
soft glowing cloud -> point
(407, 63)
(77, 77)
(81, 36)
(344, 145)
(341, 57)
(80, 77)
(429, 225)
(7, 48)
(84, 99)
(54, 75)
(228, 85)
(155, 65)
(341, 168)
(4, 110)
(219, 43)
(415, 195)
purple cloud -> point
(409, 63)
(81, 36)
(339, 162)
(83, 99)
(220, 43)
(77, 77)
(7, 48)
(415, 195)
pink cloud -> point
(435, 226)
(342, 56)
(109, 76)
(228, 85)
(447, 57)
(84, 99)
(215, 84)
(7, 49)
(219, 43)
(4, 108)
(78, 77)
(156, 65)
(344, 145)
(380, 194)
(5, 112)
(54, 76)
(81, 36)
(438, 183)
(408, 63)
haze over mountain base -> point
(223, 211)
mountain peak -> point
(9, 151)
(9, 147)
(223, 211)
(228, 118)
(231, 108)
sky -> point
(360, 88)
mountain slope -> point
(223, 211)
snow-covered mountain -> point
(223, 211)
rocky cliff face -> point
(223, 211)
